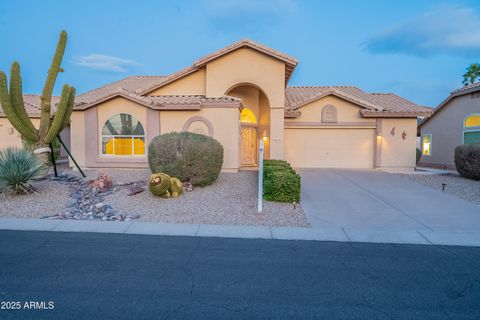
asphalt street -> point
(54, 275)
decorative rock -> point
(187, 186)
(133, 190)
(87, 198)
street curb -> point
(423, 237)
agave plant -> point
(18, 167)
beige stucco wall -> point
(191, 84)
(77, 137)
(346, 111)
(352, 141)
(9, 137)
(396, 152)
(446, 128)
(247, 66)
(224, 121)
(250, 98)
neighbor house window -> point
(427, 144)
(471, 129)
(123, 135)
(329, 114)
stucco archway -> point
(256, 101)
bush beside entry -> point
(467, 160)
(280, 182)
(188, 156)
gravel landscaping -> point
(50, 198)
(461, 187)
(230, 200)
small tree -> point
(472, 74)
(14, 108)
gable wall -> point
(192, 84)
(347, 112)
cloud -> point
(445, 30)
(105, 63)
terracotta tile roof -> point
(467, 89)
(376, 104)
(132, 84)
(169, 102)
(32, 105)
(455, 93)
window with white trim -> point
(471, 129)
(123, 135)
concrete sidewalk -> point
(452, 237)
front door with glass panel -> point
(249, 146)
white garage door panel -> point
(330, 148)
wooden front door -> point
(249, 146)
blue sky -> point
(418, 49)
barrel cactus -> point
(14, 107)
(176, 188)
(159, 185)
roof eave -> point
(394, 114)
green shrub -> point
(18, 167)
(188, 156)
(419, 154)
(274, 162)
(280, 182)
(467, 160)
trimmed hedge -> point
(280, 182)
(188, 156)
(467, 160)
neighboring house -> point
(454, 122)
(239, 95)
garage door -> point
(330, 148)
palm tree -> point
(472, 74)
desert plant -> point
(467, 160)
(18, 167)
(162, 185)
(176, 188)
(159, 185)
(14, 107)
(418, 154)
(188, 156)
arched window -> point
(248, 116)
(471, 129)
(123, 135)
(329, 114)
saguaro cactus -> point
(14, 107)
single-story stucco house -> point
(454, 122)
(239, 95)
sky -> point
(418, 49)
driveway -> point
(373, 200)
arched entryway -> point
(254, 122)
